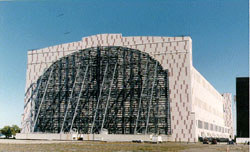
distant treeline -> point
(10, 131)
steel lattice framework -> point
(119, 89)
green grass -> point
(89, 146)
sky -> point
(218, 28)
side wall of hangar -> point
(175, 55)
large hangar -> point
(124, 85)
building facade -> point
(196, 108)
(242, 106)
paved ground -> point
(12, 141)
(90, 146)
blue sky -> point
(218, 28)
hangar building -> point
(124, 85)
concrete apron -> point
(96, 137)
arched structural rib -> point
(119, 89)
